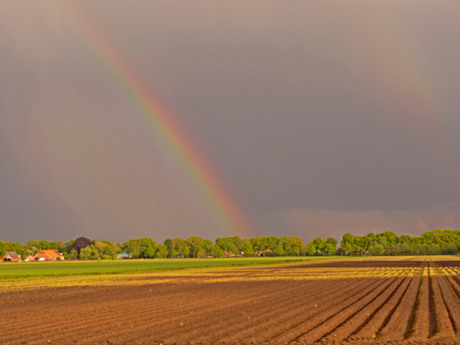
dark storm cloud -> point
(318, 115)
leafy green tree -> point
(179, 247)
(320, 244)
(310, 249)
(227, 245)
(217, 251)
(141, 247)
(43, 245)
(272, 242)
(108, 253)
(2, 248)
(196, 244)
(89, 253)
(259, 244)
(293, 245)
(376, 249)
(207, 246)
(332, 241)
(148, 247)
(132, 247)
(33, 244)
(279, 249)
(162, 252)
(32, 248)
(19, 248)
(328, 249)
(247, 248)
(406, 249)
(67, 248)
(149, 251)
(348, 244)
(391, 237)
(449, 249)
(73, 255)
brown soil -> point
(416, 309)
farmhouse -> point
(11, 257)
(48, 255)
(123, 256)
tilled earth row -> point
(420, 304)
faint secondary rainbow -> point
(393, 68)
(183, 148)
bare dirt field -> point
(374, 302)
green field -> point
(28, 270)
(25, 270)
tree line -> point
(435, 242)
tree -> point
(449, 249)
(272, 242)
(196, 244)
(207, 246)
(310, 249)
(328, 249)
(43, 245)
(293, 245)
(348, 244)
(179, 247)
(89, 253)
(227, 245)
(391, 237)
(319, 243)
(67, 248)
(376, 249)
(108, 253)
(332, 245)
(148, 247)
(2, 248)
(149, 251)
(73, 255)
(141, 247)
(80, 243)
(132, 247)
(217, 251)
(162, 252)
(247, 248)
(33, 244)
(19, 248)
(279, 249)
(259, 244)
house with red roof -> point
(11, 257)
(48, 255)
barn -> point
(48, 255)
(11, 257)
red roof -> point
(51, 254)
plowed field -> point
(374, 302)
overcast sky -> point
(319, 117)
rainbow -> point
(186, 152)
(392, 66)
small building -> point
(48, 255)
(123, 256)
(11, 257)
(29, 258)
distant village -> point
(43, 255)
